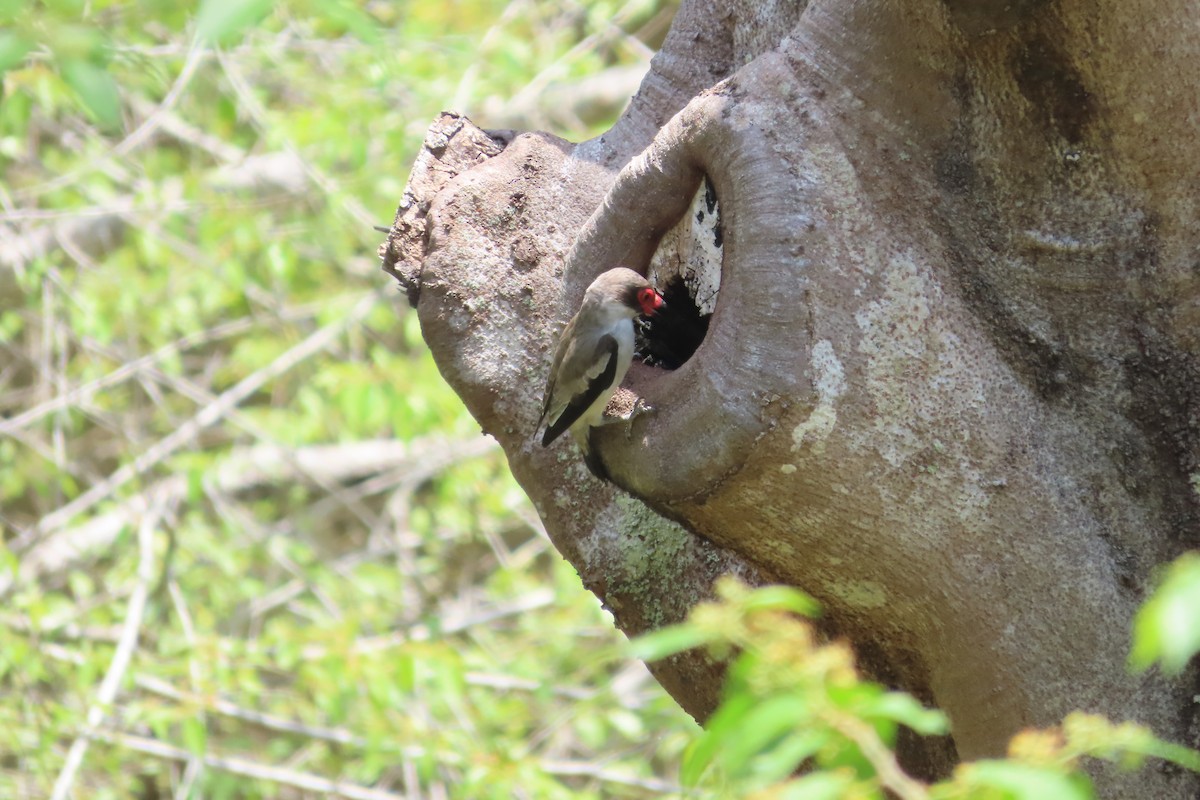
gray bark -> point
(951, 386)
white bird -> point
(592, 357)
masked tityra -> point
(592, 357)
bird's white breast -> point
(621, 330)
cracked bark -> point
(952, 380)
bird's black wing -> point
(581, 402)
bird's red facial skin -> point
(649, 300)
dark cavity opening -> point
(670, 337)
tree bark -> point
(951, 383)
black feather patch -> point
(582, 401)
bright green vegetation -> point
(792, 700)
(330, 574)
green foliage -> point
(794, 702)
(1166, 628)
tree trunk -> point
(951, 382)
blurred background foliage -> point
(254, 547)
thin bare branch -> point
(237, 765)
(202, 396)
(121, 656)
(274, 722)
(891, 776)
(149, 125)
(453, 621)
(242, 470)
(180, 130)
(591, 770)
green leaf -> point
(818, 786)
(1185, 757)
(1024, 782)
(783, 598)
(349, 17)
(1167, 627)
(908, 711)
(9, 563)
(668, 641)
(13, 50)
(761, 729)
(783, 759)
(195, 485)
(405, 671)
(96, 88)
(194, 734)
(224, 21)
(10, 9)
(724, 725)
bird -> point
(592, 357)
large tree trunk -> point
(951, 385)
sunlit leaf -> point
(764, 725)
(784, 758)
(668, 641)
(194, 734)
(783, 598)
(1167, 628)
(724, 725)
(908, 711)
(225, 21)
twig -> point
(452, 623)
(891, 776)
(271, 722)
(240, 471)
(181, 131)
(590, 770)
(191, 773)
(120, 660)
(510, 683)
(109, 634)
(412, 475)
(143, 132)
(236, 765)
